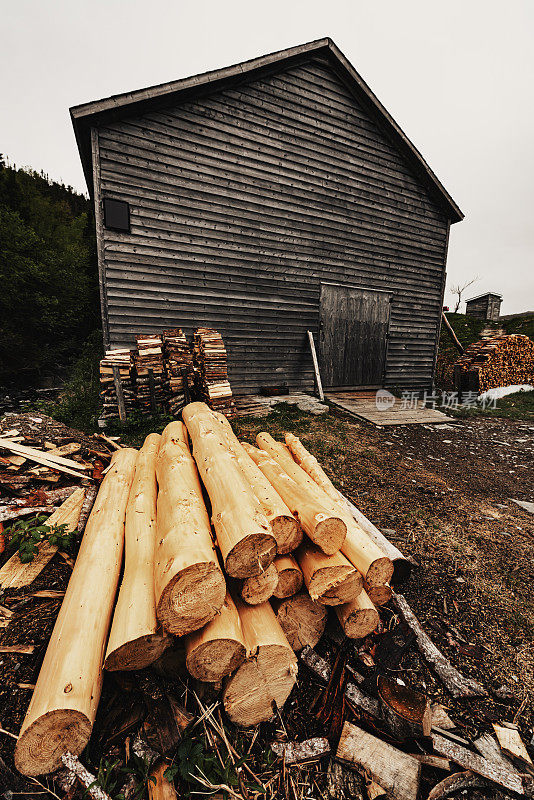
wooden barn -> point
(267, 199)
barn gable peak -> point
(114, 108)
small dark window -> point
(116, 215)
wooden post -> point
(331, 580)
(189, 584)
(289, 576)
(359, 617)
(286, 529)
(259, 588)
(63, 707)
(316, 367)
(244, 534)
(302, 620)
(327, 530)
(120, 394)
(452, 334)
(358, 547)
(136, 639)
(269, 673)
(219, 648)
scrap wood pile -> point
(504, 360)
(211, 370)
(234, 607)
(120, 359)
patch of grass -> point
(519, 405)
(79, 403)
(523, 324)
(137, 427)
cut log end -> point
(268, 678)
(360, 624)
(287, 532)
(251, 555)
(302, 620)
(40, 747)
(139, 653)
(333, 586)
(212, 661)
(379, 595)
(329, 534)
(289, 578)
(192, 598)
(358, 618)
(260, 588)
(380, 572)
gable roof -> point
(484, 294)
(111, 109)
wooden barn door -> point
(354, 334)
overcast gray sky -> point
(458, 76)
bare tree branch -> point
(458, 290)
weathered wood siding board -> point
(243, 202)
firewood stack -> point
(148, 363)
(179, 365)
(122, 359)
(498, 361)
(211, 373)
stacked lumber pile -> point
(149, 368)
(179, 365)
(504, 360)
(122, 359)
(211, 370)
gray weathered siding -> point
(243, 202)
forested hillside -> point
(48, 272)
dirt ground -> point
(443, 495)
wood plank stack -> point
(179, 366)
(149, 365)
(504, 360)
(121, 358)
(211, 371)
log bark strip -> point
(302, 620)
(330, 580)
(366, 556)
(260, 588)
(136, 638)
(457, 685)
(522, 784)
(289, 576)
(297, 752)
(286, 529)
(395, 771)
(455, 783)
(268, 674)
(325, 529)
(189, 584)
(219, 648)
(243, 531)
(63, 707)
(14, 574)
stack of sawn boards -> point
(278, 523)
